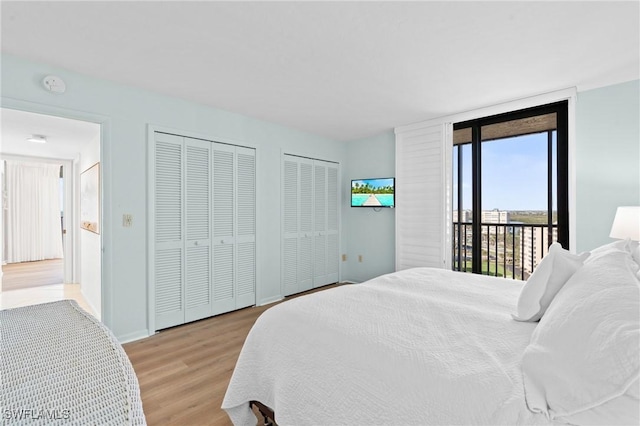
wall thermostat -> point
(54, 84)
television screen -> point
(379, 192)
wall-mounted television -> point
(377, 192)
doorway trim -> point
(105, 187)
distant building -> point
(487, 216)
(495, 216)
(535, 244)
(466, 216)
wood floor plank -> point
(17, 276)
(184, 371)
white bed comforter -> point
(421, 346)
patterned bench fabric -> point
(58, 363)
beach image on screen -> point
(372, 193)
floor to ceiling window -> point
(510, 198)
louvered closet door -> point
(311, 241)
(246, 227)
(333, 241)
(234, 227)
(169, 226)
(198, 300)
(224, 165)
(290, 212)
(420, 196)
(306, 238)
(320, 224)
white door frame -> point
(105, 187)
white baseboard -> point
(96, 312)
(131, 337)
(270, 301)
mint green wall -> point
(607, 176)
(607, 159)
(607, 173)
(368, 233)
(127, 112)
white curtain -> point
(34, 230)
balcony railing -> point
(511, 250)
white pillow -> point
(619, 245)
(547, 279)
(584, 355)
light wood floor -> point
(184, 371)
(44, 294)
(32, 274)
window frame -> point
(563, 166)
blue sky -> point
(374, 183)
(514, 174)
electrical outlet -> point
(127, 220)
(360, 258)
(344, 257)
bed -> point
(59, 364)
(421, 346)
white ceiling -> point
(340, 69)
(65, 137)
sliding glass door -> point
(510, 200)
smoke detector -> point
(54, 84)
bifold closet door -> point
(320, 224)
(298, 237)
(198, 301)
(204, 196)
(305, 231)
(290, 219)
(246, 227)
(326, 239)
(332, 230)
(234, 192)
(310, 246)
(182, 230)
(169, 236)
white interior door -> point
(245, 227)
(298, 224)
(311, 242)
(204, 207)
(169, 236)
(234, 224)
(333, 237)
(198, 301)
(290, 213)
(223, 228)
(306, 227)
(320, 224)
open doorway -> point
(45, 257)
(33, 222)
